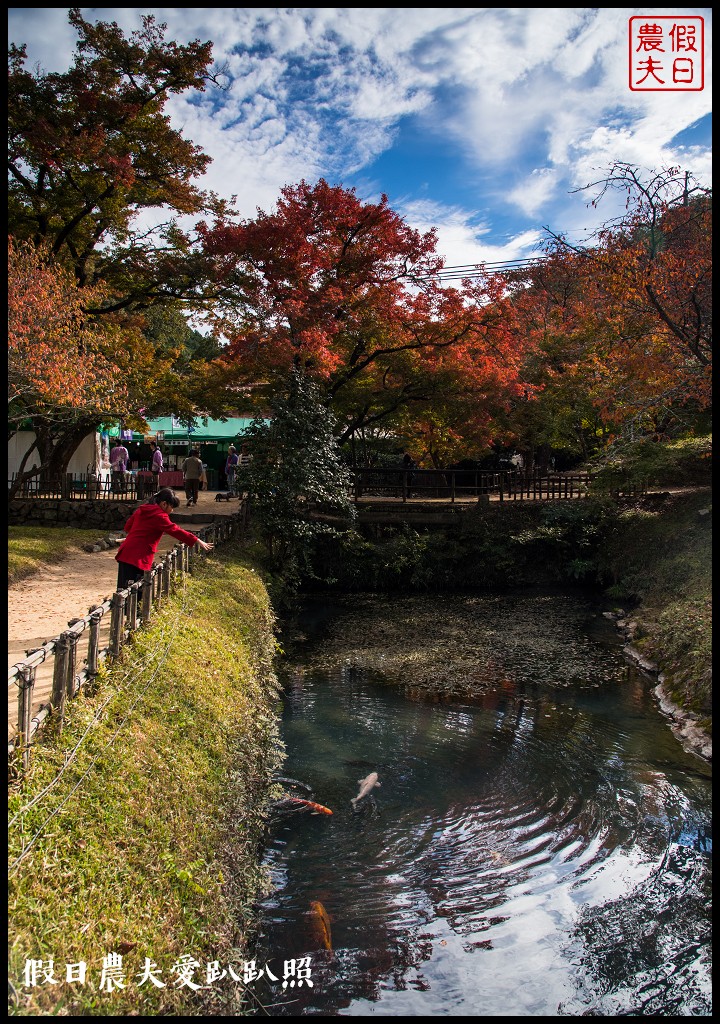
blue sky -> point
(476, 121)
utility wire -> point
(470, 270)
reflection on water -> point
(541, 851)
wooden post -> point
(166, 576)
(117, 614)
(147, 596)
(133, 608)
(71, 660)
(25, 695)
(60, 677)
(93, 645)
(404, 484)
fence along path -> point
(104, 630)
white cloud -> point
(534, 100)
(462, 238)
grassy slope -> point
(31, 547)
(659, 552)
(177, 743)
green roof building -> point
(175, 439)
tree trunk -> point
(54, 444)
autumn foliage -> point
(348, 292)
(634, 311)
(56, 356)
(592, 340)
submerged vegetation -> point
(651, 555)
(137, 830)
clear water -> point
(541, 849)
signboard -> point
(161, 435)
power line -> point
(470, 270)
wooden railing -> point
(117, 487)
(127, 609)
(452, 484)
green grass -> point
(148, 842)
(658, 553)
(32, 547)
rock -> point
(640, 659)
(684, 726)
(88, 547)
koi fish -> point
(298, 803)
(321, 924)
(293, 782)
(367, 785)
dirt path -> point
(40, 607)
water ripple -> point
(533, 853)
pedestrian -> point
(231, 466)
(119, 457)
(144, 529)
(192, 469)
(408, 464)
(245, 457)
(156, 463)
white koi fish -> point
(367, 785)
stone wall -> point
(84, 514)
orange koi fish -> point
(298, 803)
(321, 924)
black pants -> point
(191, 489)
(128, 574)
(117, 482)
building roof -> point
(202, 430)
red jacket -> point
(144, 529)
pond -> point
(539, 844)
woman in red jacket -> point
(144, 529)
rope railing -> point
(126, 611)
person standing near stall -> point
(119, 457)
(192, 469)
(231, 464)
(156, 462)
(144, 529)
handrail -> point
(129, 608)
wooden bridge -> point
(451, 485)
(438, 497)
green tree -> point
(91, 149)
(97, 178)
(295, 475)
